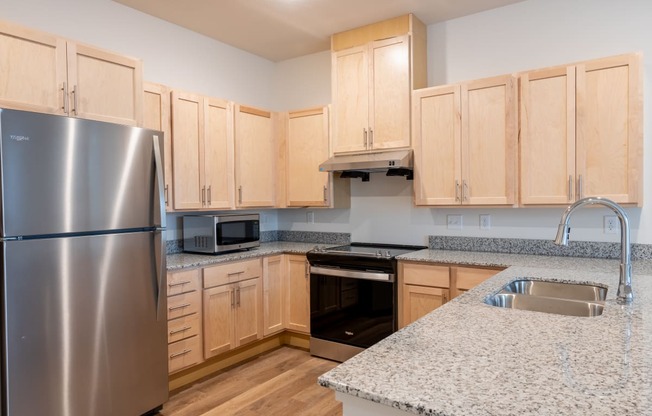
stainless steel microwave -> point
(212, 234)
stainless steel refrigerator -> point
(83, 267)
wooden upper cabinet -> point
(255, 153)
(437, 133)
(390, 90)
(489, 141)
(351, 100)
(187, 149)
(104, 86)
(548, 136)
(307, 147)
(33, 71)
(218, 153)
(48, 74)
(202, 143)
(609, 153)
(374, 69)
(581, 132)
(465, 143)
(156, 116)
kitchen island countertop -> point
(470, 358)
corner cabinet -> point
(53, 75)
(465, 143)
(374, 70)
(582, 132)
(255, 160)
(156, 116)
(202, 146)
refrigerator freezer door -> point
(81, 330)
(65, 175)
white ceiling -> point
(283, 29)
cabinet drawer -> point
(184, 327)
(425, 274)
(184, 304)
(469, 277)
(232, 272)
(184, 353)
(182, 282)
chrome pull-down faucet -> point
(625, 295)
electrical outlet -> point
(263, 218)
(310, 217)
(611, 225)
(454, 222)
(485, 221)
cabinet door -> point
(218, 154)
(187, 148)
(437, 146)
(466, 278)
(350, 100)
(105, 86)
(307, 147)
(609, 129)
(32, 70)
(219, 322)
(254, 158)
(390, 92)
(548, 136)
(298, 294)
(249, 307)
(489, 139)
(156, 116)
(421, 300)
(273, 295)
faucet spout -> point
(625, 295)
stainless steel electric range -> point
(353, 297)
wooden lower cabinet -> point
(466, 278)
(184, 319)
(233, 308)
(298, 293)
(424, 287)
(418, 301)
(274, 315)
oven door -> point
(352, 307)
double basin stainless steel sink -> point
(572, 299)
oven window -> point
(237, 232)
(356, 312)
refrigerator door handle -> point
(158, 160)
(160, 264)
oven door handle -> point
(352, 274)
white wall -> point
(303, 82)
(171, 55)
(528, 35)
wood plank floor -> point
(281, 382)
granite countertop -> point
(188, 260)
(469, 358)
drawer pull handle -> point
(179, 354)
(184, 329)
(185, 282)
(174, 308)
(234, 273)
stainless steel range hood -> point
(394, 163)
(369, 162)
